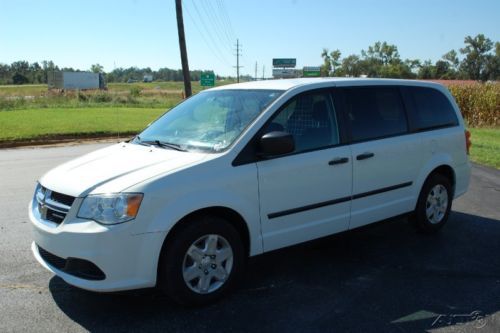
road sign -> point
(284, 73)
(207, 80)
(311, 71)
(284, 62)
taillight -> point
(468, 143)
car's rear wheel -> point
(434, 204)
(202, 261)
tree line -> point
(479, 59)
(162, 74)
(23, 72)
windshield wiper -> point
(161, 144)
(170, 145)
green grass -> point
(485, 146)
(31, 124)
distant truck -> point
(148, 78)
(75, 80)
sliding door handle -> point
(338, 160)
(364, 156)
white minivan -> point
(243, 169)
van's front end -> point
(88, 254)
(100, 221)
(91, 217)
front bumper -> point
(127, 260)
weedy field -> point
(31, 112)
(148, 95)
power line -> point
(221, 59)
(226, 18)
(228, 29)
(219, 19)
(218, 28)
(206, 28)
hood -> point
(115, 168)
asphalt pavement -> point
(381, 278)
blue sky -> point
(143, 33)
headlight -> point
(111, 208)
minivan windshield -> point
(209, 121)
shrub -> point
(120, 100)
(135, 92)
(82, 97)
(101, 97)
(7, 103)
(132, 100)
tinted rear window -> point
(375, 112)
(432, 108)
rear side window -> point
(432, 108)
(375, 112)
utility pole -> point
(238, 54)
(256, 71)
(263, 70)
(182, 46)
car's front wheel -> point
(202, 261)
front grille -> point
(53, 206)
(74, 266)
(62, 198)
(55, 216)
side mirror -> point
(276, 143)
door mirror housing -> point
(276, 143)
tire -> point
(202, 262)
(434, 204)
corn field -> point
(479, 102)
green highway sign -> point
(284, 62)
(311, 71)
(207, 80)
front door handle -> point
(338, 160)
(364, 156)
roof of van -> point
(286, 84)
